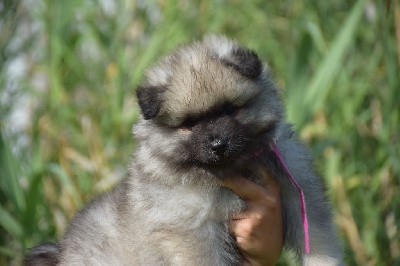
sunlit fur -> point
(209, 111)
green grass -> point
(337, 64)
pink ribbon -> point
(304, 217)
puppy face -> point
(209, 103)
(216, 137)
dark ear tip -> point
(246, 62)
(150, 98)
(251, 64)
(44, 255)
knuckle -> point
(247, 229)
(271, 203)
(251, 228)
(258, 218)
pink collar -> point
(279, 155)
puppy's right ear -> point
(150, 99)
(245, 61)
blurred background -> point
(68, 72)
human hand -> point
(258, 230)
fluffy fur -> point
(209, 112)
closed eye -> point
(230, 109)
(189, 123)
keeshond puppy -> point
(210, 111)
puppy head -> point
(208, 103)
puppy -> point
(210, 111)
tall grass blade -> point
(10, 224)
(66, 181)
(320, 84)
(10, 174)
(151, 52)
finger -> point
(253, 243)
(266, 176)
(244, 188)
(256, 211)
(256, 196)
(243, 233)
(271, 187)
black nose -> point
(219, 146)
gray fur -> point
(172, 209)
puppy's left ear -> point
(245, 61)
(150, 99)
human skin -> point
(259, 229)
